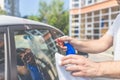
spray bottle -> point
(70, 49)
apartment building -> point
(90, 19)
(10, 6)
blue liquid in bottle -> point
(70, 49)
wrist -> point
(99, 70)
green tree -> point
(32, 17)
(2, 11)
(53, 14)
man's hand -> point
(60, 42)
(81, 66)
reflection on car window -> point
(2, 64)
(35, 55)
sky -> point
(30, 7)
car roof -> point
(11, 20)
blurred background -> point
(52, 12)
(81, 19)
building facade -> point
(90, 19)
(11, 7)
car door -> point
(4, 54)
(35, 48)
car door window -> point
(2, 62)
(35, 51)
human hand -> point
(80, 66)
(60, 42)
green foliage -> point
(32, 17)
(53, 14)
(2, 11)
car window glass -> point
(35, 51)
(2, 62)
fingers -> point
(76, 57)
(60, 42)
(63, 38)
(61, 45)
(79, 73)
(73, 59)
(77, 70)
(69, 61)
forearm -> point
(109, 69)
(91, 46)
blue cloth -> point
(35, 73)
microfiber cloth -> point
(62, 73)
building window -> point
(76, 27)
(75, 36)
(89, 1)
(75, 21)
(75, 0)
(82, 3)
(95, 0)
(76, 5)
(89, 37)
(96, 31)
(76, 31)
(75, 16)
(96, 37)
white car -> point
(27, 49)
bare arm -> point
(89, 46)
(94, 46)
(110, 69)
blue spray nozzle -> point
(70, 49)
